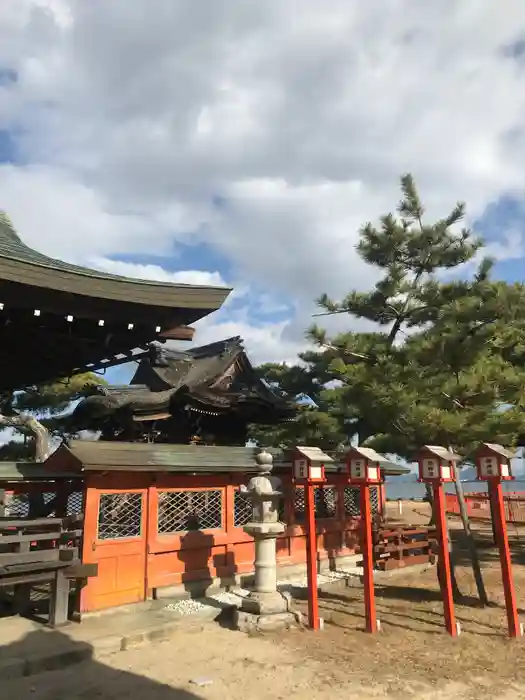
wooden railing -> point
(42, 550)
(398, 547)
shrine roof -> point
(98, 455)
(20, 263)
(214, 378)
(498, 449)
(59, 319)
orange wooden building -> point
(159, 519)
(167, 519)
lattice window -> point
(17, 505)
(374, 501)
(325, 502)
(352, 501)
(75, 503)
(242, 509)
(119, 516)
(299, 505)
(352, 506)
(181, 511)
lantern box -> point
(493, 462)
(309, 464)
(364, 465)
(436, 464)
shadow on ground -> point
(88, 677)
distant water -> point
(407, 490)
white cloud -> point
(130, 117)
(158, 273)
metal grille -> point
(374, 501)
(299, 506)
(75, 503)
(325, 502)
(352, 504)
(242, 509)
(180, 511)
(119, 516)
(17, 505)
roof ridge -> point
(14, 248)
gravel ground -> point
(218, 664)
(411, 659)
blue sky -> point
(173, 144)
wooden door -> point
(115, 538)
(188, 540)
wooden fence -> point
(478, 506)
(397, 547)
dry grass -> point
(412, 658)
(413, 649)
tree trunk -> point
(430, 499)
(29, 423)
(473, 552)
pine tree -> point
(38, 406)
(446, 365)
(316, 423)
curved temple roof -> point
(217, 377)
(21, 264)
(58, 319)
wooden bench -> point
(42, 550)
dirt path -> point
(257, 668)
(411, 659)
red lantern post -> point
(309, 469)
(364, 470)
(436, 468)
(493, 464)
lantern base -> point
(266, 612)
(251, 623)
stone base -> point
(266, 612)
(252, 623)
(266, 603)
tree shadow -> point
(202, 569)
(403, 619)
(24, 665)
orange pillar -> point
(500, 531)
(368, 559)
(445, 576)
(311, 557)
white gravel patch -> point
(235, 596)
(186, 607)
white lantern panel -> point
(504, 470)
(316, 472)
(301, 469)
(373, 473)
(489, 466)
(446, 472)
(430, 468)
(357, 468)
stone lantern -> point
(265, 608)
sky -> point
(244, 143)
